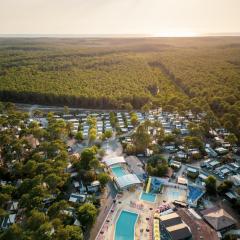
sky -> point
(154, 17)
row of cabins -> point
(81, 191)
(181, 153)
(103, 122)
(221, 170)
(124, 122)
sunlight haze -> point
(154, 17)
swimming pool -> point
(125, 226)
(118, 171)
(174, 194)
(149, 197)
(194, 194)
(171, 194)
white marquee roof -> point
(127, 180)
(114, 160)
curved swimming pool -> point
(125, 227)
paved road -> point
(112, 148)
(106, 203)
(49, 108)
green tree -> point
(94, 164)
(79, 136)
(68, 232)
(92, 134)
(169, 138)
(89, 176)
(87, 155)
(157, 166)
(66, 110)
(225, 186)
(103, 178)
(130, 149)
(87, 214)
(141, 139)
(194, 142)
(134, 119)
(14, 232)
(56, 208)
(128, 106)
(35, 220)
(108, 134)
(231, 138)
(145, 108)
(44, 232)
(54, 181)
(211, 184)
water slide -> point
(148, 185)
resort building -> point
(127, 181)
(175, 164)
(219, 219)
(122, 178)
(175, 227)
(77, 198)
(192, 172)
(235, 179)
(136, 166)
(114, 160)
(182, 181)
(221, 150)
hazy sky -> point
(158, 17)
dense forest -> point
(202, 74)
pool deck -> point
(169, 194)
(130, 201)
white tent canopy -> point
(127, 180)
(114, 160)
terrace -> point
(130, 202)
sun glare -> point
(175, 33)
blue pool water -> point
(194, 194)
(148, 197)
(175, 194)
(118, 171)
(125, 226)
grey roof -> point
(218, 218)
(127, 180)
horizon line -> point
(114, 35)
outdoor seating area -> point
(156, 229)
(163, 208)
(135, 205)
(131, 203)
